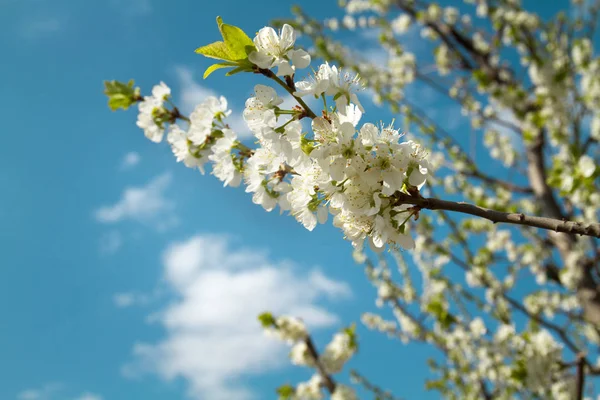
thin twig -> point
(269, 74)
(328, 380)
(580, 377)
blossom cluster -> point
(341, 348)
(288, 329)
(349, 170)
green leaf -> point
(434, 384)
(351, 332)
(306, 144)
(116, 87)
(236, 71)
(235, 45)
(119, 101)
(215, 67)
(236, 40)
(234, 50)
(519, 373)
(266, 319)
(286, 392)
(216, 50)
(121, 95)
(436, 308)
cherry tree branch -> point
(569, 227)
(580, 377)
(327, 379)
(380, 394)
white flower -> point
(304, 202)
(315, 85)
(300, 355)
(477, 327)
(451, 15)
(224, 167)
(310, 390)
(419, 163)
(260, 110)
(595, 127)
(544, 344)
(504, 332)
(161, 91)
(541, 360)
(343, 392)
(586, 166)
(152, 113)
(286, 144)
(333, 82)
(152, 130)
(257, 184)
(403, 68)
(345, 85)
(337, 352)
(336, 149)
(262, 163)
(288, 329)
(184, 150)
(349, 22)
(273, 50)
(203, 117)
(401, 24)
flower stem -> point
(269, 74)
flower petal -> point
(300, 58)
(288, 37)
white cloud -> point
(89, 396)
(213, 339)
(130, 160)
(111, 242)
(146, 204)
(41, 26)
(54, 391)
(43, 393)
(123, 300)
(128, 299)
(191, 92)
(370, 48)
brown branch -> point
(551, 224)
(328, 380)
(441, 31)
(381, 394)
(580, 377)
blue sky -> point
(124, 274)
